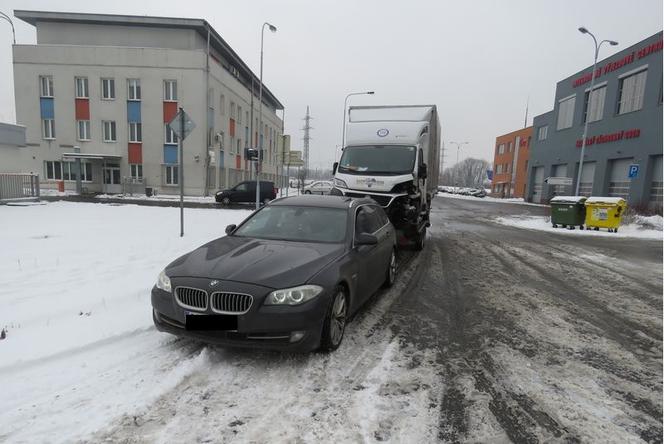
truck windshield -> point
(378, 159)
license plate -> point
(210, 322)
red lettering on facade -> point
(612, 137)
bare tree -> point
(468, 173)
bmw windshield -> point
(301, 224)
(377, 159)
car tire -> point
(420, 240)
(307, 192)
(391, 272)
(226, 201)
(334, 324)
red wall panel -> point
(135, 154)
(231, 128)
(170, 110)
(82, 109)
(238, 162)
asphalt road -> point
(491, 334)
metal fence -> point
(18, 186)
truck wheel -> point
(420, 240)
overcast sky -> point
(478, 61)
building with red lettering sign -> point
(623, 154)
(510, 163)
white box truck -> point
(391, 154)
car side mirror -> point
(366, 239)
(230, 228)
(335, 165)
(422, 171)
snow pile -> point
(649, 222)
(511, 200)
(543, 224)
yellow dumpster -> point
(604, 212)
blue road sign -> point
(633, 170)
(489, 174)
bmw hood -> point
(269, 263)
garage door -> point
(538, 181)
(656, 185)
(619, 177)
(587, 175)
(560, 171)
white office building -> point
(101, 88)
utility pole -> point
(307, 138)
(181, 172)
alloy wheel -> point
(338, 319)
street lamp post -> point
(260, 115)
(458, 145)
(6, 18)
(584, 30)
(343, 130)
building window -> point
(171, 138)
(53, 170)
(501, 148)
(135, 132)
(222, 105)
(134, 89)
(499, 169)
(69, 170)
(566, 112)
(46, 86)
(542, 132)
(232, 110)
(239, 115)
(239, 144)
(82, 91)
(594, 104)
(631, 91)
(108, 89)
(170, 90)
(136, 171)
(83, 127)
(108, 131)
(171, 173)
(48, 129)
(86, 171)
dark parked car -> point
(246, 192)
(288, 277)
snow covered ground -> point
(643, 227)
(515, 200)
(75, 279)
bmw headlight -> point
(293, 296)
(340, 183)
(163, 281)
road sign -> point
(489, 174)
(558, 180)
(633, 170)
(176, 125)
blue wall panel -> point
(133, 111)
(46, 108)
(170, 154)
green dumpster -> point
(568, 211)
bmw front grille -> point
(230, 303)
